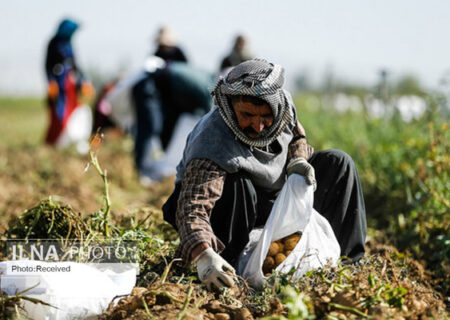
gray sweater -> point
(212, 139)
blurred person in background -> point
(167, 46)
(65, 82)
(166, 92)
(238, 54)
(102, 110)
(159, 106)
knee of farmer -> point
(339, 157)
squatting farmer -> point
(236, 161)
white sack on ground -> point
(293, 212)
(83, 292)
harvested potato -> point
(273, 249)
(268, 265)
(278, 251)
(279, 258)
(290, 244)
(280, 246)
(221, 316)
(295, 236)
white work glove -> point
(211, 269)
(302, 167)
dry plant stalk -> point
(103, 175)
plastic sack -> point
(83, 292)
(121, 101)
(166, 166)
(78, 129)
(292, 212)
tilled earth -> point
(386, 284)
(32, 173)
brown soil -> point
(179, 301)
(384, 263)
(28, 175)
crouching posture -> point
(236, 161)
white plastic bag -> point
(83, 292)
(167, 165)
(293, 212)
(120, 98)
(78, 129)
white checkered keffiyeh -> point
(257, 78)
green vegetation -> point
(23, 121)
(404, 169)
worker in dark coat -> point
(238, 54)
(167, 48)
(160, 97)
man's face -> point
(253, 119)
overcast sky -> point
(354, 38)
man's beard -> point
(254, 135)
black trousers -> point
(243, 206)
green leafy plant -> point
(297, 303)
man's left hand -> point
(212, 270)
(302, 167)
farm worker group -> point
(166, 49)
(237, 159)
(167, 87)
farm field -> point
(404, 169)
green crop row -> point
(404, 169)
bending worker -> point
(235, 163)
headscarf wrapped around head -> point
(257, 78)
(66, 28)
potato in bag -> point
(273, 249)
(279, 258)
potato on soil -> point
(138, 291)
(221, 316)
(215, 307)
(242, 314)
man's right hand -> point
(211, 268)
(302, 167)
